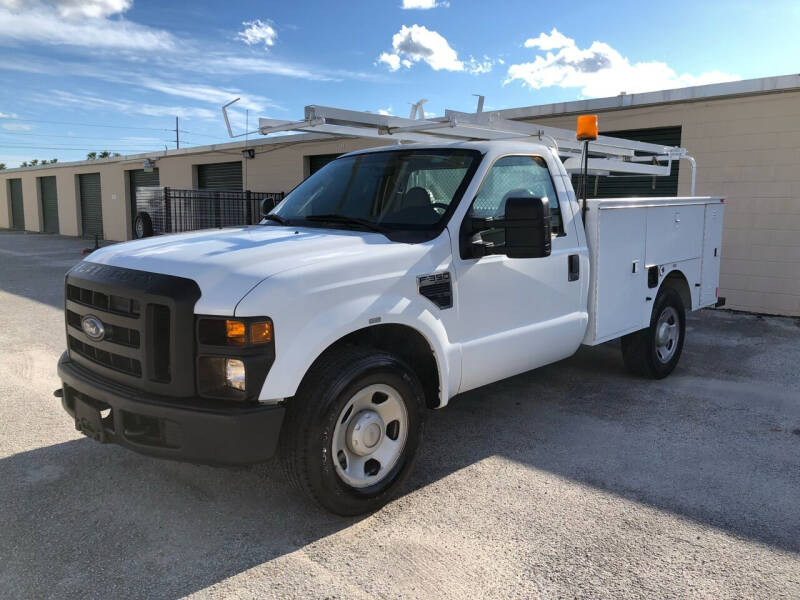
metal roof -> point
(156, 154)
(713, 91)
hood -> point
(228, 263)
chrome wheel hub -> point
(667, 332)
(370, 435)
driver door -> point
(516, 314)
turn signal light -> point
(239, 333)
(261, 333)
(587, 128)
(235, 332)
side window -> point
(515, 177)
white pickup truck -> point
(384, 285)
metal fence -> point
(169, 210)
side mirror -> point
(267, 204)
(523, 232)
(527, 225)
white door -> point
(516, 314)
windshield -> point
(382, 191)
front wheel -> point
(352, 431)
(655, 351)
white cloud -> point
(258, 32)
(385, 111)
(391, 60)
(60, 97)
(38, 22)
(68, 9)
(599, 70)
(418, 43)
(212, 95)
(480, 66)
(47, 23)
(9, 115)
(17, 126)
(246, 65)
(549, 42)
(92, 9)
(423, 4)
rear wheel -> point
(352, 431)
(655, 351)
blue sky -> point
(113, 74)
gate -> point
(169, 210)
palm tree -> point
(34, 162)
(2, 166)
(91, 156)
(104, 154)
(53, 160)
(23, 164)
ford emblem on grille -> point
(93, 328)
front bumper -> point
(187, 429)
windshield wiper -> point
(276, 218)
(337, 218)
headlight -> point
(233, 356)
(234, 374)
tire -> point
(142, 226)
(317, 424)
(648, 352)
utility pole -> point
(177, 137)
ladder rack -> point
(608, 156)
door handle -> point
(573, 267)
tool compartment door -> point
(712, 246)
(619, 276)
(674, 233)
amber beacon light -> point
(587, 128)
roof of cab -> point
(483, 146)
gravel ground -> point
(574, 480)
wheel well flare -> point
(403, 341)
